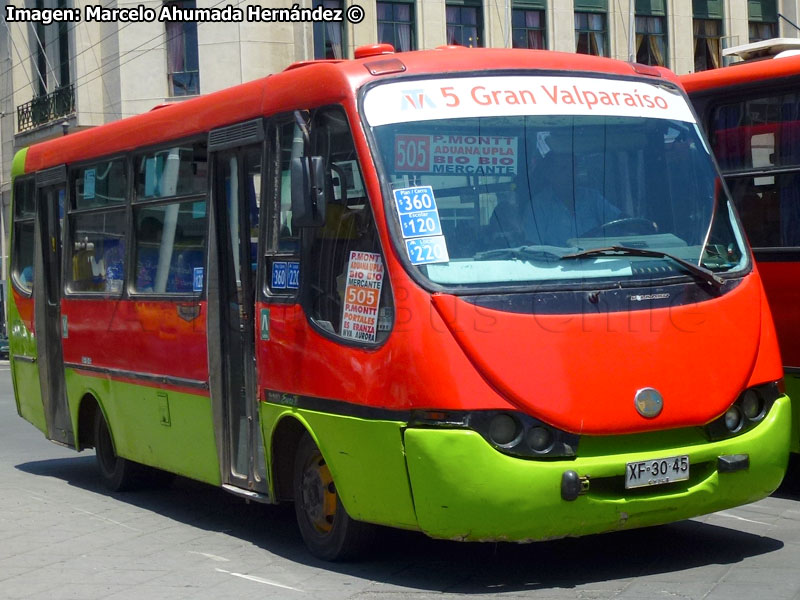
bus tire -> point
(116, 473)
(327, 530)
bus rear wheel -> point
(328, 531)
(116, 473)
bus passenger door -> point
(50, 210)
(236, 200)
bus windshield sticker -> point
(464, 97)
(293, 276)
(279, 272)
(89, 176)
(416, 207)
(197, 279)
(432, 153)
(426, 250)
(362, 296)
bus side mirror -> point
(308, 192)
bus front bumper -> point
(464, 489)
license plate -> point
(657, 471)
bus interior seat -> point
(184, 262)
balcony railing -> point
(44, 109)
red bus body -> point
(577, 372)
(759, 83)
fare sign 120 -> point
(417, 210)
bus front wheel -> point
(116, 473)
(328, 531)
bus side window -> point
(169, 253)
(347, 293)
(169, 249)
(96, 219)
(24, 212)
(98, 252)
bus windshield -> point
(497, 191)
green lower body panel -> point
(466, 490)
(365, 458)
(29, 393)
(162, 428)
(792, 382)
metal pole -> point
(631, 31)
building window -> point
(465, 25)
(50, 50)
(762, 31)
(763, 19)
(707, 44)
(183, 67)
(651, 41)
(396, 25)
(329, 36)
(527, 29)
(590, 33)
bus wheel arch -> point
(327, 530)
(117, 474)
(87, 411)
(285, 439)
(300, 473)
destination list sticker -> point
(455, 153)
(362, 296)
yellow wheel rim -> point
(319, 494)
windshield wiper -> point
(700, 272)
(545, 253)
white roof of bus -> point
(763, 49)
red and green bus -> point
(482, 294)
(751, 113)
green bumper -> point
(464, 489)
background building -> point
(64, 77)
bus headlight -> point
(540, 439)
(504, 429)
(750, 408)
(752, 405)
(733, 419)
(510, 432)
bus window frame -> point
(21, 180)
(270, 218)
(134, 202)
(355, 122)
(709, 101)
(66, 233)
(393, 225)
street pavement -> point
(62, 536)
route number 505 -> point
(412, 153)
